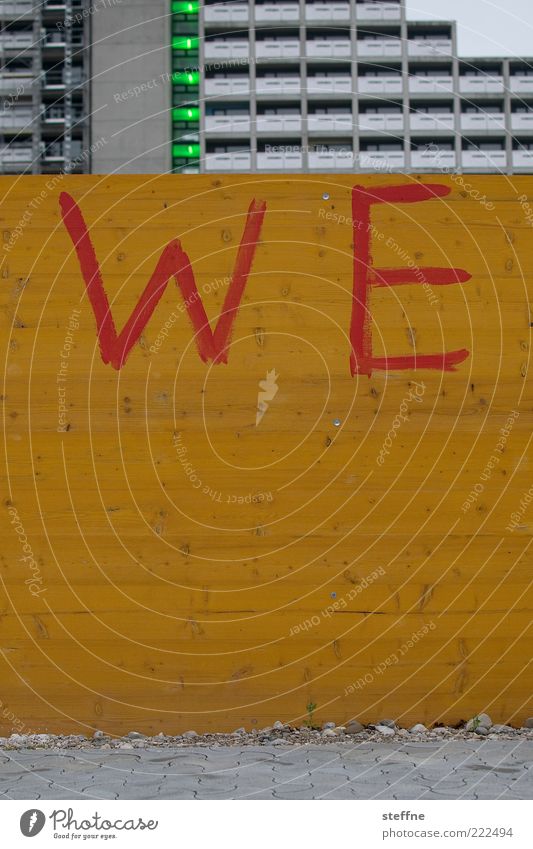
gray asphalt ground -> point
(468, 769)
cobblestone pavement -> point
(448, 770)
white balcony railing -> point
(329, 48)
(277, 13)
(223, 49)
(521, 84)
(272, 48)
(430, 47)
(522, 121)
(16, 82)
(484, 159)
(341, 84)
(377, 160)
(316, 13)
(227, 124)
(380, 123)
(379, 47)
(16, 41)
(15, 156)
(523, 159)
(336, 159)
(432, 160)
(17, 8)
(16, 119)
(377, 11)
(277, 85)
(224, 86)
(380, 85)
(482, 121)
(284, 160)
(240, 160)
(482, 84)
(419, 84)
(431, 122)
(330, 123)
(279, 123)
(227, 13)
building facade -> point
(44, 114)
(253, 86)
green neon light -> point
(186, 113)
(186, 77)
(186, 151)
(184, 43)
(185, 8)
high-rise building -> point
(349, 85)
(44, 103)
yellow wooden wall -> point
(166, 607)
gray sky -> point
(485, 27)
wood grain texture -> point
(187, 568)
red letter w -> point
(173, 262)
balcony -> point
(224, 49)
(230, 13)
(481, 84)
(431, 160)
(277, 13)
(339, 160)
(377, 11)
(16, 155)
(432, 121)
(382, 160)
(274, 48)
(381, 122)
(379, 47)
(329, 48)
(380, 85)
(53, 80)
(16, 119)
(341, 84)
(330, 123)
(227, 124)
(429, 47)
(16, 83)
(279, 123)
(277, 85)
(523, 159)
(17, 8)
(494, 159)
(419, 84)
(240, 160)
(224, 86)
(483, 121)
(522, 121)
(521, 84)
(327, 13)
(284, 160)
(16, 40)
